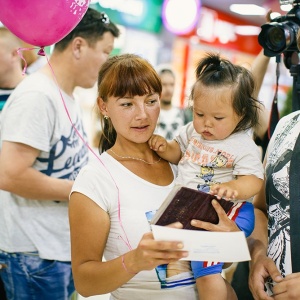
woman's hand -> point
(225, 224)
(151, 253)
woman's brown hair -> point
(124, 75)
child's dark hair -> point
(214, 71)
(124, 75)
(91, 27)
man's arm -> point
(17, 175)
(259, 69)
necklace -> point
(135, 158)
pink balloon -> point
(42, 22)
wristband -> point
(125, 268)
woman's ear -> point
(102, 106)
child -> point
(216, 154)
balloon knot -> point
(41, 52)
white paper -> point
(207, 245)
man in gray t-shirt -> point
(43, 149)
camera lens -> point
(276, 38)
(280, 35)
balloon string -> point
(126, 240)
(20, 53)
(42, 52)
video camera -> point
(280, 35)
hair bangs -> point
(130, 79)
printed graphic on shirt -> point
(67, 156)
(207, 172)
(210, 162)
(170, 123)
(277, 191)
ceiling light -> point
(286, 7)
(247, 30)
(248, 9)
(275, 15)
(180, 17)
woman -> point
(113, 196)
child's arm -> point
(244, 187)
(168, 150)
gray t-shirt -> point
(36, 114)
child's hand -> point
(223, 191)
(157, 143)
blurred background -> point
(179, 32)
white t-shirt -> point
(209, 162)
(117, 190)
(35, 115)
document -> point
(206, 245)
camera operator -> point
(280, 35)
(271, 271)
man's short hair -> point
(91, 27)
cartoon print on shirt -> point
(207, 172)
(219, 161)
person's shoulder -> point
(36, 81)
(36, 65)
(291, 116)
(35, 87)
(95, 158)
(94, 166)
(286, 124)
(189, 129)
(244, 134)
(186, 132)
(242, 138)
(98, 169)
(99, 163)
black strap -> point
(274, 116)
(294, 186)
